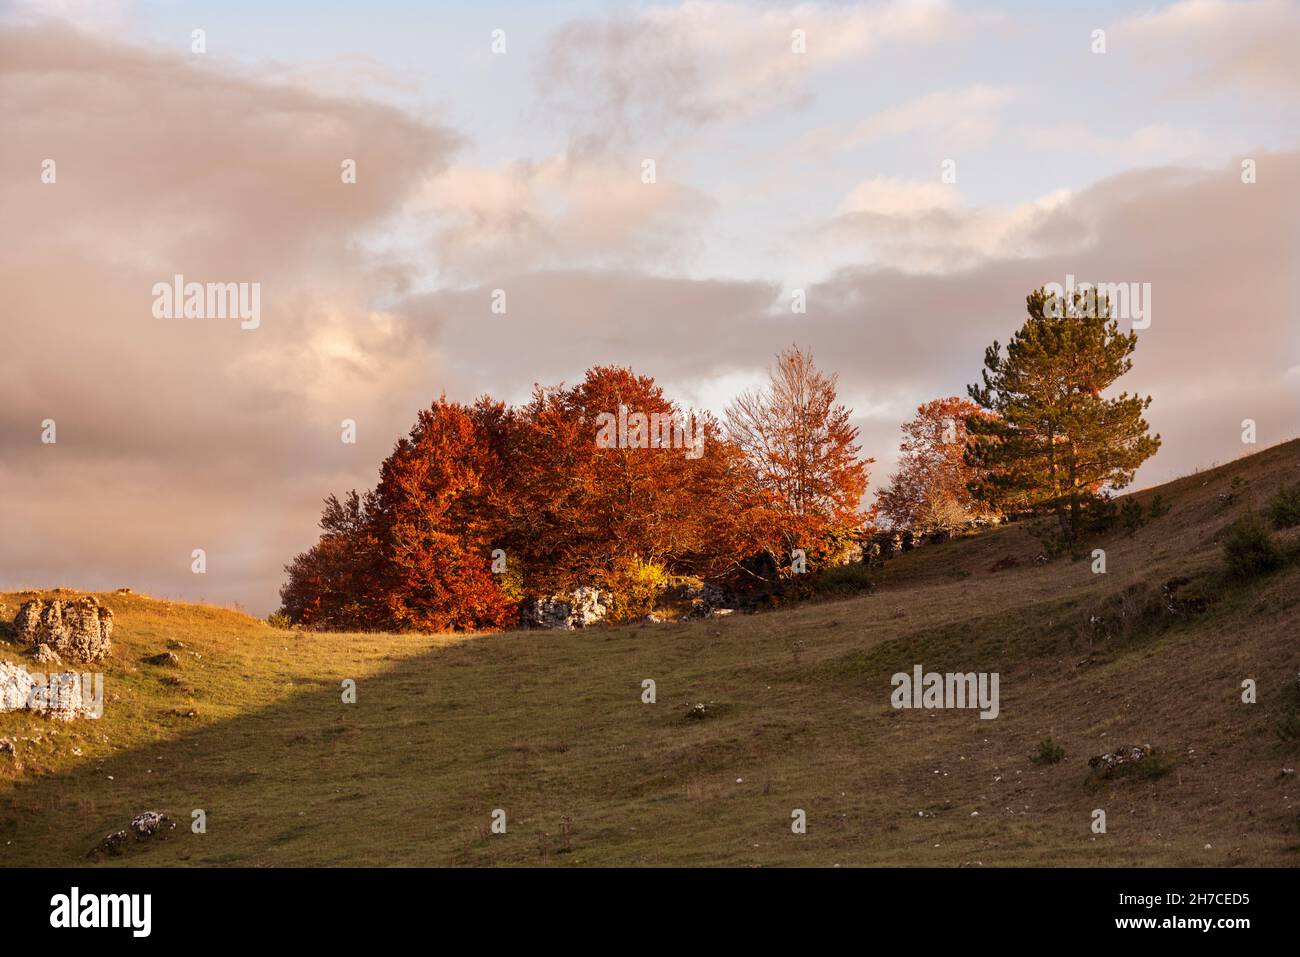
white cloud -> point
(91, 15)
(562, 210)
(1206, 44)
(922, 227)
(890, 196)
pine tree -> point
(1054, 442)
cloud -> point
(90, 15)
(890, 196)
(190, 428)
(345, 76)
(174, 434)
(644, 74)
(922, 227)
(1220, 256)
(564, 210)
(1208, 45)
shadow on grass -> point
(408, 775)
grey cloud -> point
(176, 434)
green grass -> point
(551, 727)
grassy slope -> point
(551, 727)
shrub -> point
(1101, 514)
(635, 586)
(1183, 596)
(1284, 509)
(279, 619)
(1050, 537)
(511, 582)
(1155, 765)
(1235, 488)
(1145, 763)
(1249, 548)
(1132, 514)
(1049, 752)
(1135, 612)
(851, 579)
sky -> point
(911, 169)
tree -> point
(605, 483)
(616, 484)
(801, 447)
(337, 583)
(1053, 442)
(437, 521)
(929, 491)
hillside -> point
(551, 727)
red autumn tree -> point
(798, 440)
(338, 582)
(615, 482)
(605, 483)
(438, 525)
(930, 491)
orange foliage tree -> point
(337, 583)
(437, 521)
(613, 478)
(607, 483)
(802, 449)
(930, 491)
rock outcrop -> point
(710, 601)
(15, 687)
(76, 629)
(45, 655)
(881, 545)
(61, 695)
(582, 608)
(145, 826)
(1104, 764)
